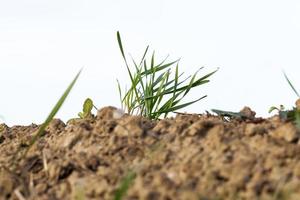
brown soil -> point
(187, 157)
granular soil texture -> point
(201, 157)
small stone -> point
(248, 113)
(110, 112)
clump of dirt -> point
(187, 157)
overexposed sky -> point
(44, 43)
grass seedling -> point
(294, 113)
(87, 107)
(154, 89)
(48, 119)
(124, 186)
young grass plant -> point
(294, 113)
(155, 90)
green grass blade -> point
(52, 114)
(157, 69)
(144, 55)
(172, 109)
(120, 45)
(199, 82)
(120, 93)
(125, 184)
(272, 109)
(134, 81)
(291, 85)
(297, 119)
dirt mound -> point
(186, 157)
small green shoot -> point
(292, 114)
(154, 89)
(49, 118)
(87, 109)
(124, 186)
(291, 85)
(281, 108)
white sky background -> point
(43, 44)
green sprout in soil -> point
(292, 114)
(154, 89)
(87, 107)
(49, 118)
(124, 186)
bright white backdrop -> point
(44, 43)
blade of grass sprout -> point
(170, 90)
(121, 46)
(130, 74)
(152, 63)
(120, 94)
(161, 89)
(157, 99)
(162, 62)
(168, 104)
(291, 85)
(190, 84)
(200, 81)
(297, 119)
(170, 82)
(272, 109)
(175, 80)
(125, 184)
(171, 103)
(157, 69)
(151, 82)
(143, 58)
(181, 106)
(51, 115)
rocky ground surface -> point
(201, 157)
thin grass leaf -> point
(181, 106)
(291, 85)
(297, 119)
(120, 93)
(134, 83)
(199, 82)
(51, 115)
(272, 109)
(125, 185)
(120, 45)
(160, 68)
